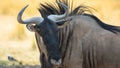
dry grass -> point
(12, 44)
(25, 49)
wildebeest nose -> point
(55, 62)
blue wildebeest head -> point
(47, 28)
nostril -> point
(56, 62)
(60, 61)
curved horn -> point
(56, 18)
(34, 20)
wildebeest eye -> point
(38, 29)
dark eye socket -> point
(37, 29)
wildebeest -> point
(73, 39)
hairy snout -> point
(56, 62)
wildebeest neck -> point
(65, 35)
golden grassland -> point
(17, 41)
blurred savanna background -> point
(18, 42)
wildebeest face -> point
(49, 33)
(47, 29)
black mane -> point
(105, 26)
(51, 8)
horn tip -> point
(20, 14)
(26, 6)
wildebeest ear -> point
(31, 27)
(62, 22)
